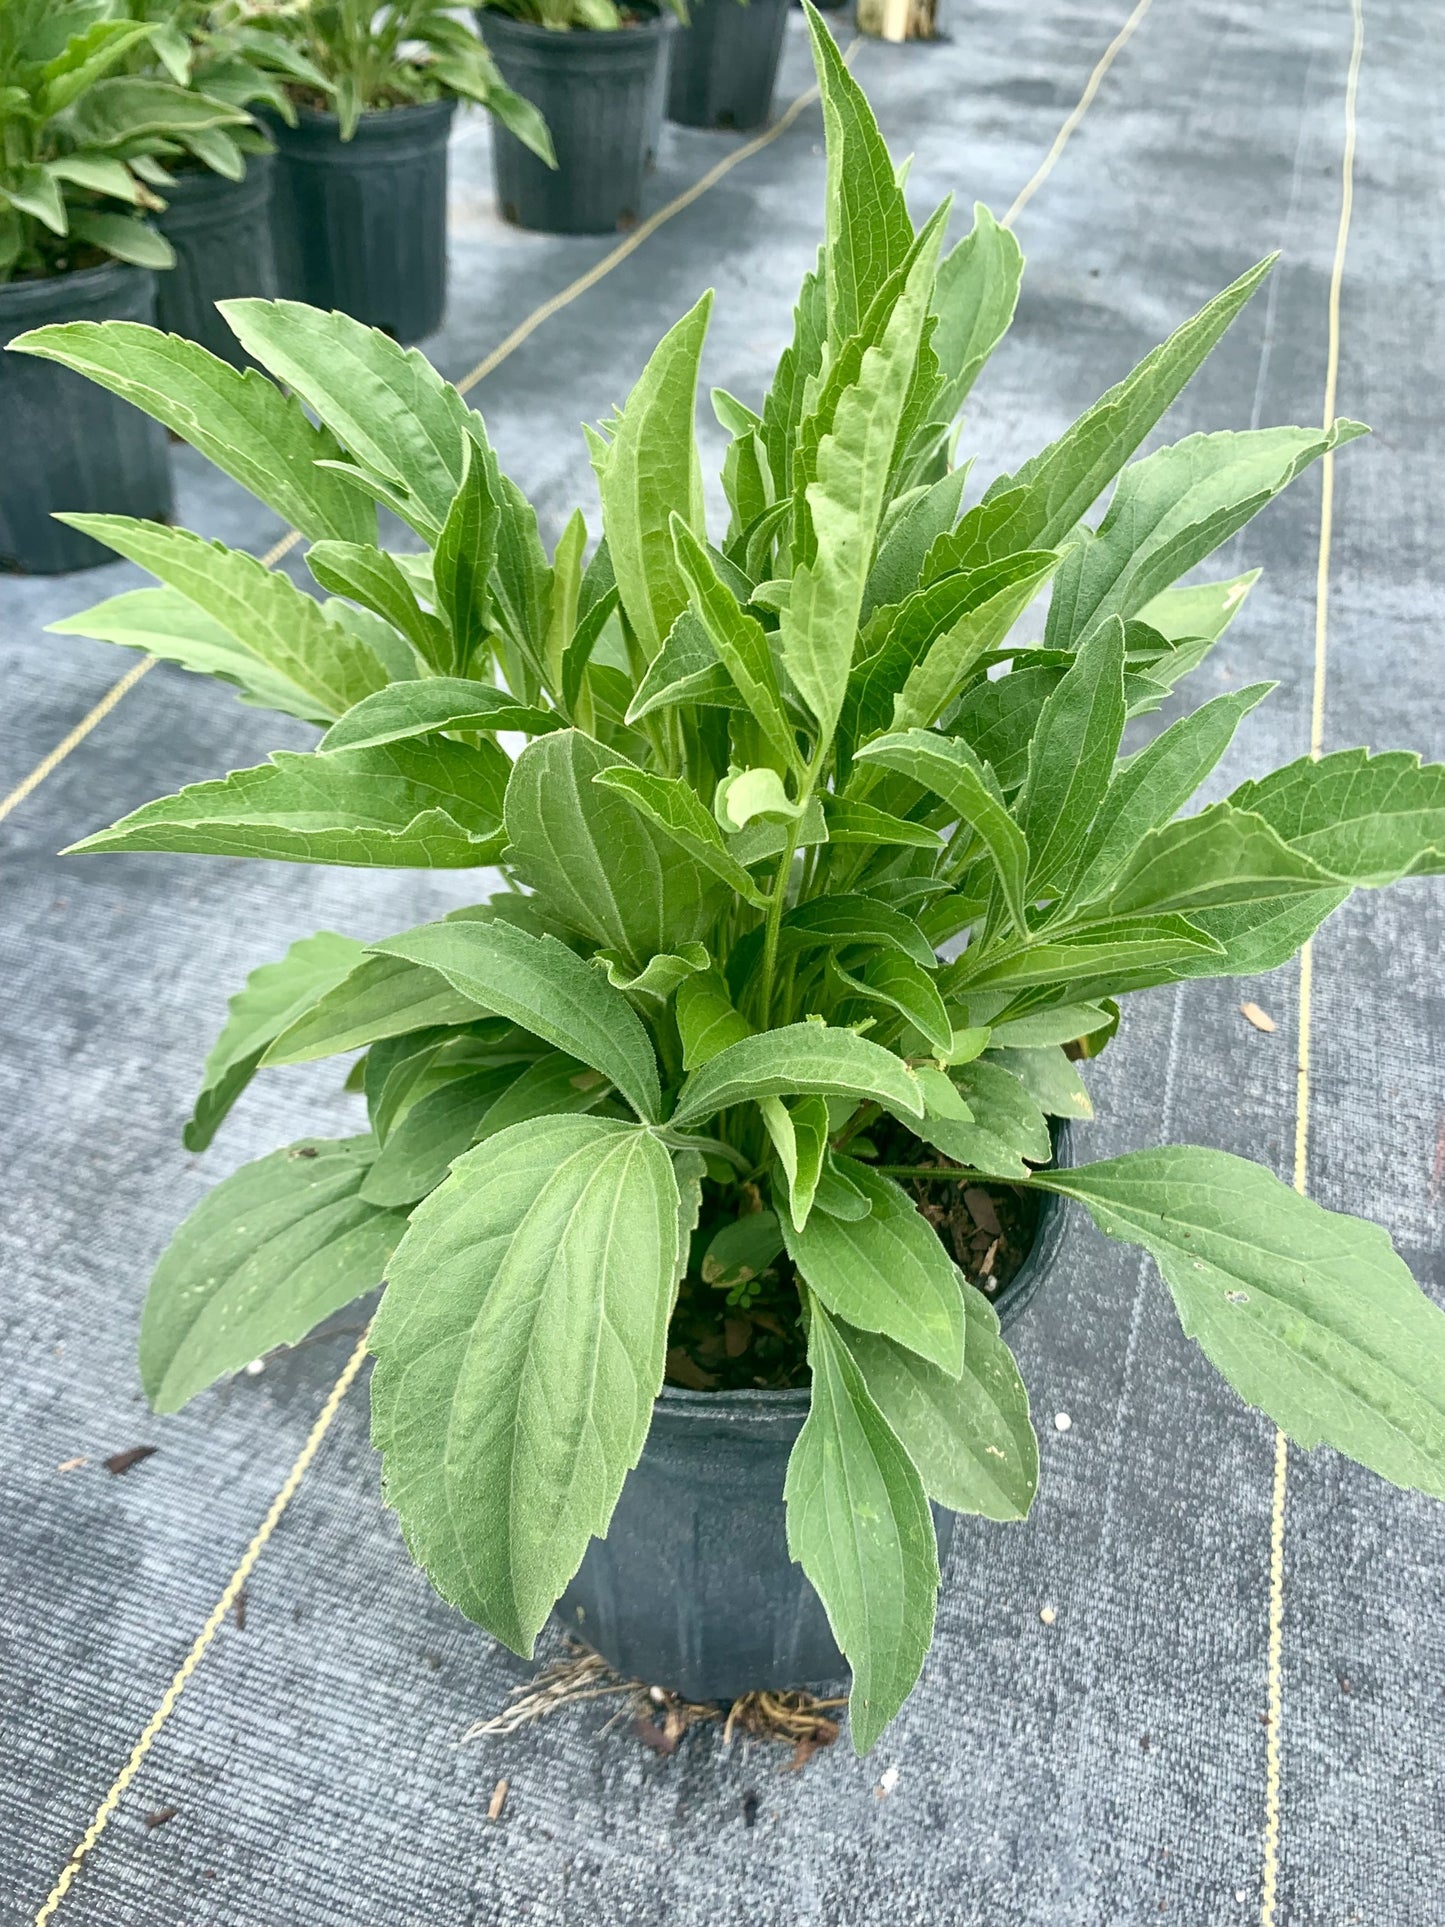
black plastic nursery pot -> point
(598, 93)
(693, 1589)
(68, 443)
(724, 65)
(221, 232)
(361, 225)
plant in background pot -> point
(597, 72)
(723, 68)
(898, 20)
(81, 138)
(361, 190)
(691, 1127)
(216, 181)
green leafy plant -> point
(364, 57)
(96, 98)
(705, 1039)
(567, 16)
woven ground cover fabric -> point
(1107, 1766)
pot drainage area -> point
(1202, 1683)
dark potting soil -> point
(748, 1333)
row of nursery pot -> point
(159, 156)
(689, 1164)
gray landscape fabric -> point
(1104, 1764)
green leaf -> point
(742, 1250)
(382, 997)
(1151, 786)
(997, 595)
(1203, 609)
(1173, 509)
(124, 237)
(885, 1273)
(970, 1436)
(519, 1349)
(1309, 1314)
(601, 867)
(660, 976)
(1366, 819)
(868, 229)
(745, 794)
(86, 56)
(1047, 1075)
(800, 1137)
(167, 624)
(674, 807)
(1220, 857)
(274, 997)
(997, 718)
(845, 503)
(263, 1258)
(429, 1135)
(261, 608)
(1053, 490)
(124, 107)
(908, 535)
(1040, 1029)
(36, 192)
(687, 671)
(831, 922)
(374, 579)
(540, 984)
(1007, 1124)
(406, 709)
(947, 767)
(706, 1018)
(101, 174)
(854, 822)
(799, 365)
(740, 640)
(466, 554)
(975, 298)
(1071, 758)
(896, 981)
(793, 1061)
(860, 1527)
(421, 805)
(1116, 956)
(554, 1085)
(387, 406)
(652, 469)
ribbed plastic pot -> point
(361, 225)
(221, 232)
(68, 443)
(724, 65)
(693, 1589)
(598, 93)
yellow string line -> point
(1070, 127)
(106, 1810)
(108, 1805)
(1274, 1663)
(524, 329)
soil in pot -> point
(221, 232)
(597, 92)
(693, 1589)
(69, 443)
(361, 225)
(723, 66)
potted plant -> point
(596, 71)
(80, 141)
(722, 70)
(672, 1099)
(361, 188)
(216, 182)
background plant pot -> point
(724, 65)
(692, 1588)
(361, 225)
(221, 232)
(594, 90)
(68, 443)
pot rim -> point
(761, 1401)
(320, 117)
(35, 290)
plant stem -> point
(934, 1173)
